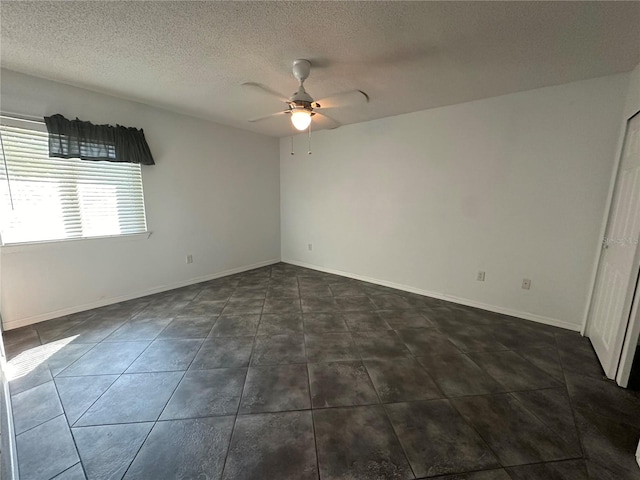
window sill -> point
(45, 244)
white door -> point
(618, 268)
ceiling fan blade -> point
(327, 119)
(258, 87)
(269, 116)
(344, 99)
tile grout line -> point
(244, 385)
(484, 440)
(313, 420)
(108, 388)
(573, 410)
(104, 340)
(556, 434)
(77, 359)
(547, 462)
(73, 438)
(375, 389)
(58, 393)
(340, 313)
(131, 315)
(67, 469)
(119, 375)
(404, 451)
(56, 386)
(155, 422)
(61, 334)
(386, 415)
(101, 395)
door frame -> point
(632, 333)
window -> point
(44, 198)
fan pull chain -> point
(309, 152)
(292, 153)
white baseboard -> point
(23, 322)
(441, 296)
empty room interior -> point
(320, 240)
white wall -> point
(513, 185)
(213, 193)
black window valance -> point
(84, 140)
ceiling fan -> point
(301, 106)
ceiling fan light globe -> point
(301, 119)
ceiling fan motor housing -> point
(301, 99)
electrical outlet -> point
(189, 258)
(310, 247)
(526, 284)
(480, 276)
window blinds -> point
(44, 198)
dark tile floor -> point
(287, 373)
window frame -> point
(39, 126)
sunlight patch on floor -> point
(29, 360)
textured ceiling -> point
(191, 57)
